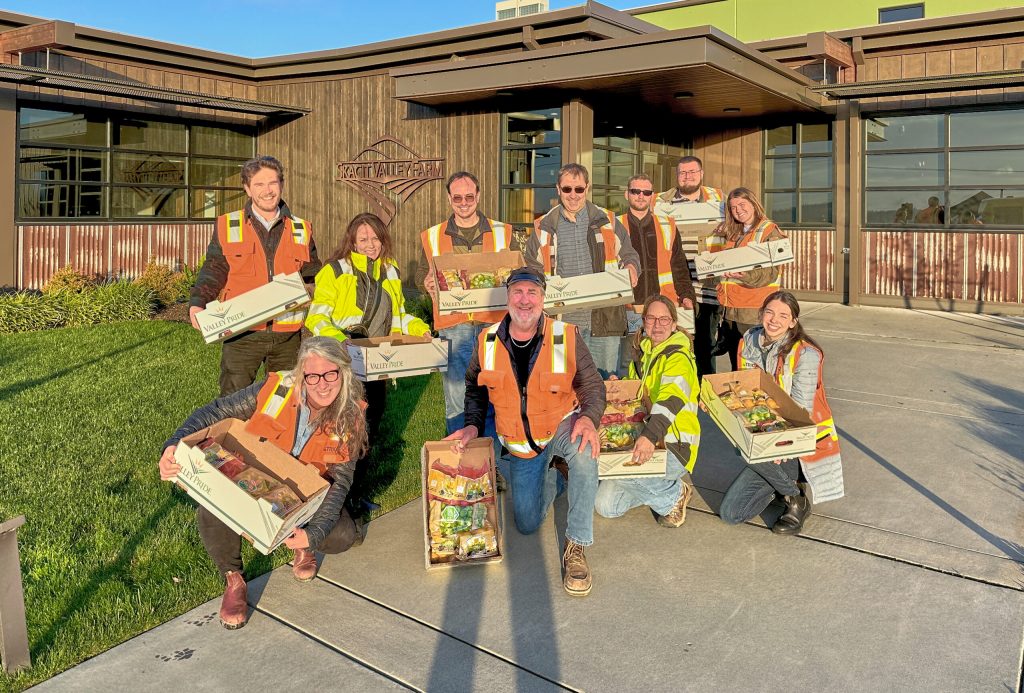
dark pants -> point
(225, 547)
(755, 488)
(376, 402)
(729, 335)
(242, 356)
(705, 336)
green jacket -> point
(343, 289)
(669, 374)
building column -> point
(854, 199)
(578, 134)
(9, 250)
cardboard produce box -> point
(753, 256)
(699, 213)
(252, 518)
(618, 465)
(454, 485)
(397, 356)
(588, 291)
(797, 440)
(468, 300)
(223, 319)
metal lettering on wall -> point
(387, 173)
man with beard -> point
(548, 400)
(663, 264)
(465, 231)
(690, 189)
(577, 237)
(247, 249)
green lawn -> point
(108, 550)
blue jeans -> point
(462, 341)
(616, 497)
(534, 486)
(604, 350)
(756, 487)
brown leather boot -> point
(303, 564)
(234, 610)
(577, 580)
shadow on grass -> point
(81, 598)
(17, 388)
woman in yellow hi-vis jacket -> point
(665, 364)
(359, 294)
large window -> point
(78, 165)
(531, 154)
(798, 185)
(945, 169)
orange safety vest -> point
(247, 260)
(734, 294)
(549, 396)
(821, 413)
(277, 418)
(436, 242)
(666, 234)
(549, 245)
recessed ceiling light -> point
(504, 92)
(683, 95)
(618, 127)
(731, 109)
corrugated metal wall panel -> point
(814, 254)
(109, 250)
(994, 267)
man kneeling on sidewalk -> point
(547, 395)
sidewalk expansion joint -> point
(439, 631)
(896, 559)
(333, 648)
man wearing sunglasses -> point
(690, 189)
(465, 231)
(548, 400)
(663, 263)
(578, 237)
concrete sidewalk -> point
(914, 581)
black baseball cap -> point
(527, 274)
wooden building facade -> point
(125, 149)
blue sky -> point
(259, 28)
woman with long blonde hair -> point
(742, 293)
(314, 412)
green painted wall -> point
(758, 20)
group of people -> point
(533, 382)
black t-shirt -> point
(521, 358)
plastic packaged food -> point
(256, 483)
(217, 456)
(477, 544)
(621, 425)
(455, 519)
(282, 500)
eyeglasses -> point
(458, 199)
(638, 191)
(690, 174)
(663, 321)
(579, 189)
(329, 377)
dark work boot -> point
(792, 520)
(233, 608)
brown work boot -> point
(233, 608)
(677, 516)
(303, 564)
(577, 580)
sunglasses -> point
(458, 199)
(638, 191)
(579, 189)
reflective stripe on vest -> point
(826, 427)
(712, 195)
(235, 224)
(300, 231)
(558, 364)
(490, 344)
(434, 238)
(275, 403)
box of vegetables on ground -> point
(470, 282)
(624, 415)
(757, 416)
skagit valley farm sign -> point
(387, 173)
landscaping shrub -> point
(24, 311)
(67, 278)
(110, 302)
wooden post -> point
(14, 653)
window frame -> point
(945, 188)
(108, 185)
(910, 6)
(798, 190)
(504, 146)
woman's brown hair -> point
(348, 241)
(734, 229)
(795, 333)
(663, 300)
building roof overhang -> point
(655, 70)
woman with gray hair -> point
(318, 416)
